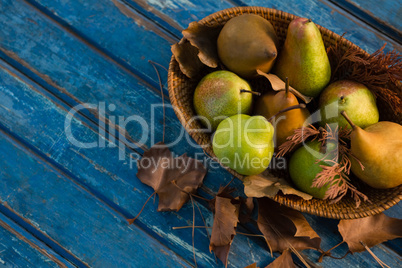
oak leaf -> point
(268, 185)
(224, 227)
(370, 231)
(285, 228)
(173, 179)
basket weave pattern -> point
(181, 90)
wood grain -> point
(19, 248)
(63, 207)
(386, 19)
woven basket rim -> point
(315, 206)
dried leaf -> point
(283, 261)
(267, 185)
(300, 135)
(371, 231)
(278, 84)
(224, 227)
(253, 265)
(205, 39)
(246, 210)
(187, 57)
(222, 252)
(173, 179)
(249, 205)
(222, 192)
(285, 228)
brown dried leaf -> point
(205, 39)
(173, 179)
(371, 231)
(267, 185)
(283, 261)
(284, 227)
(187, 57)
(222, 252)
(300, 135)
(253, 265)
(222, 192)
(246, 210)
(224, 227)
(278, 85)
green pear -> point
(246, 43)
(303, 58)
(379, 149)
(304, 165)
(221, 94)
(244, 143)
(350, 96)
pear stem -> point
(323, 147)
(286, 87)
(309, 20)
(250, 91)
(343, 113)
(299, 106)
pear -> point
(221, 94)
(303, 58)
(246, 43)
(379, 149)
(305, 164)
(244, 143)
(285, 123)
(263, 105)
(349, 96)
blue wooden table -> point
(70, 72)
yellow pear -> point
(379, 149)
(285, 123)
(247, 43)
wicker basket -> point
(181, 91)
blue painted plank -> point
(101, 172)
(387, 19)
(20, 249)
(57, 207)
(179, 13)
(15, 253)
(130, 32)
